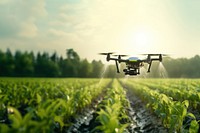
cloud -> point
(109, 25)
(58, 33)
(19, 18)
(29, 29)
(8, 27)
(4, 2)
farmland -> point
(99, 105)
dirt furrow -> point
(85, 122)
(142, 120)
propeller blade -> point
(106, 53)
(121, 55)
(156, 54)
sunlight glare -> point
(141, 40)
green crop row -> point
(179, 90)
(50, 105)
(171, 112)
(44, 105)
(113, 110)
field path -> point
(142, 119)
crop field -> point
(82, 105)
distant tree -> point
(85, 68)
(54, 57)
(194, 70)
(28, 61)
(42, 64)
(97, 68)
(24, 64)
(52, 69)
(72, 55)
(71, 64)
(9, 63)
(62, 66)
(110, 72)
(3, 61)
(176, 67)
(46, 66)
(71, 69)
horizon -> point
(102, 56)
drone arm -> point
(159, 57)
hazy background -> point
(93, 26)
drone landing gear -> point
(117, 66)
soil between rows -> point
(143, 121)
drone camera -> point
(133, 72)
(126, 72)
(130, 72)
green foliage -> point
(48, 105)
(44, 105)
(26, 64)
(156, 93)
(114, 110)
(194, 126)
(183, 67)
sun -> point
(141, 40)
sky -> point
(93, 26)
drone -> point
(133, 64)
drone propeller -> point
(156, 54)
(122, 55)
(119, 57)
(106, 53)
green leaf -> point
(104, 119)
(113, 123)
(27, 118)
(163, 115)
(186, 103)
(41, 113)
(122, 128)
(39, 98)
(4, 128)
(15, 116)
(191, 115)
(194, 126)
(59, 119)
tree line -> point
(28, 64)
(177, 68)
(183, 67)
